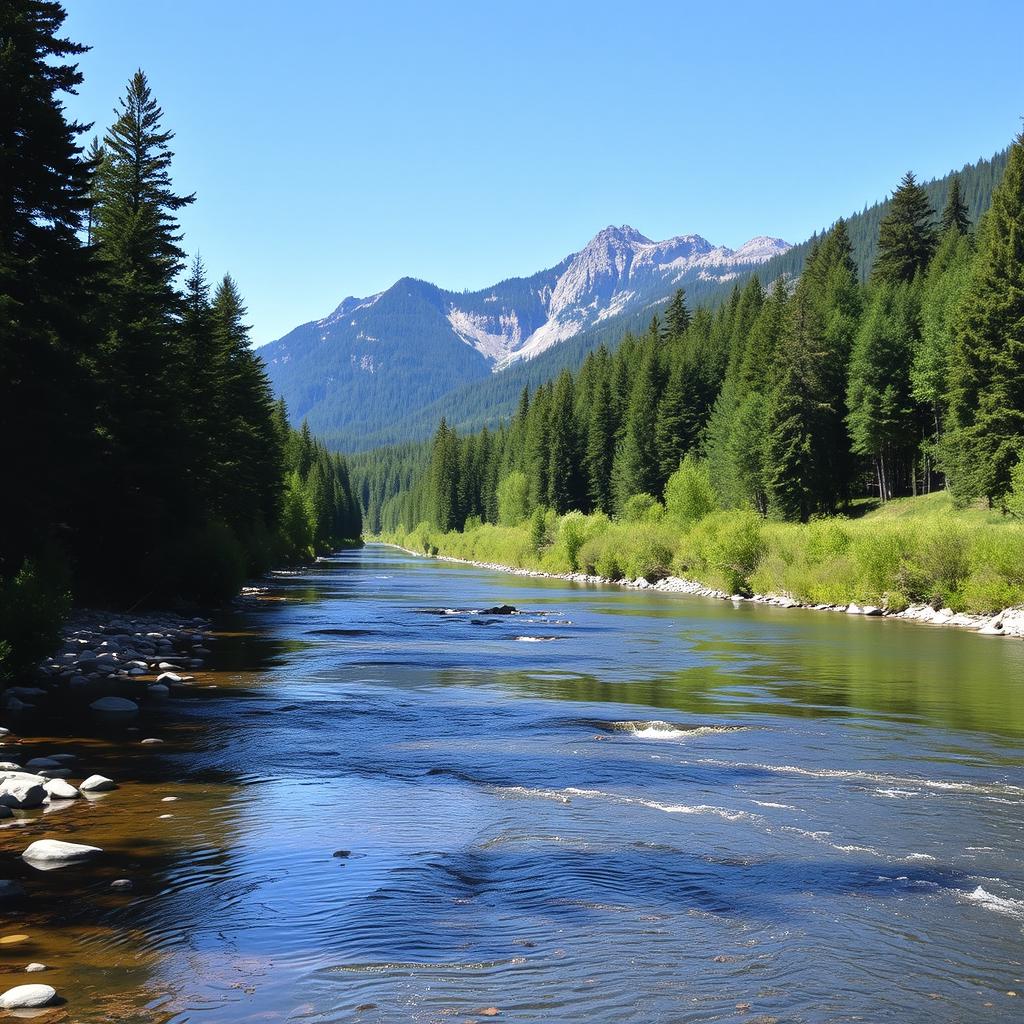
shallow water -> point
(674, 810)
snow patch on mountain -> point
(492, 336)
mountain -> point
(486, 402)
(403, 349)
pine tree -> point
(136, 232)
(955, 216)
(600, 451)
(46, 342)
(906, 237)
(565, 483)
(986, 376)
(635, 470)
(881, 412)
(677, 316)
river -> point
(616, 807)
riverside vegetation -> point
(738, 446)
(148, 459)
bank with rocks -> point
(109, 666)
(1009, 622)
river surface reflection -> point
(617, 807)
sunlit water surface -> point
(616, 807)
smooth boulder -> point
(57, 852)
(58, 789)
(24, 997)
(98, 784)
(22, 793)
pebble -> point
(34, 967)
(168, 799)
(23, 997)
(151, 739)
(121, 883)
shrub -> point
(642, 508)
(513, 499)
(723, 549)
(689, 493)
(33, 604)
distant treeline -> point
(144, 456)
(797, 399)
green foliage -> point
(1015, 499)
(986, 375)
(513, 499)
(907, 236)
(33, 604)
(724, 549)
(690, 494)
(642, 508)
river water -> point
(615, 807)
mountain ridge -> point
(405, 346)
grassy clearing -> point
(911, 551)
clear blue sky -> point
(338, 146)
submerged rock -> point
(115, 705)
(500, 609)
(23, 997)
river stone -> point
(23, 997)
(157, 690)
(58, 789)
(168, 677)
(55, 851)
(5, 812)
(21, 793)
(150, 740)
(121, 883)
(34, 968)
(115, 705)
(9, 766)
(42, 762)
(97, 784)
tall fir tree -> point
(46, 342)
(986, 375)
(907, 236)
(955, 216)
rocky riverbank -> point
(109, 665)
(1009, 622)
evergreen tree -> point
(565, 482)
(600, 451)
(677, 316)
(955, 216)
(45, 341)
(906, 237)
(635, 468)
(881, 413)
(986, 376)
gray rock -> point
(115, 706)
(42, 762)
(58, 789)
(121, 883)
(21, 793)
(23, 997)
(157, 690)
(33, 968)
(55, 852)
(150, 740)
(97, 784)
(872, 610)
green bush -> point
(33, 604)
(724, 549)
(689, 493)
(642, 508)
